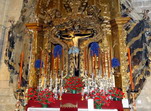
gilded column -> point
(34, 28)
(120, 51)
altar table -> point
(75, 99)
(58, 109)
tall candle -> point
(57, 70)
(82, 92)
(84, 60)
(30, 57)
(46, 60)
(130, 67)
(45, 82)
(61, 90)
(41, 54)
(39, 84)
(56, 84)
(88, 85)
(95, 65)
(102, 61)
(108, 60)
(50, 87)
(42, 81)
(50, 61)
(59, 66)
(101, 64)
(20, 69)
(99, 60)
(92, 78)
(92, 63)
(52, 64)
(62, 59)
(87, 56)
(61, 78)
(113, 81)
(100, 85)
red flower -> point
(100, 97)
(44, 96)
(116, 93)
(74, 83)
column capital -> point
(34, 26)
(119, 21)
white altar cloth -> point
(58, 109)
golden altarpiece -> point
(74, 26)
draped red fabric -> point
(68, 109)
(75, 99)
(114, 105)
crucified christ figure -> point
(74, 49)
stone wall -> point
(143, 102)
(9, 10)
(141, 5)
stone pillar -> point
(120, 51)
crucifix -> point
(74, 37)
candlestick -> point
(92, 76)
(39, 84)
(88, 85)
(56, 84)
(100, 72)
(130, 67)
(82, 93)
(100, 84)
(95, 85)
(45, 82)
(60, 98)
(42, 81)
(50, 87)
(113, 80)
(61, 78)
